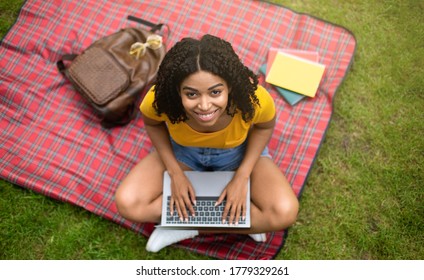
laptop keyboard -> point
(206, 213)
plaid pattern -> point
(51, 142)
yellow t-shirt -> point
(231, 136)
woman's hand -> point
(183, 196)
(235, 194)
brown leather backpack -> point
(114, 72)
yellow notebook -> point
(295, 74)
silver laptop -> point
(208, 187)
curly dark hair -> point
(210, 54)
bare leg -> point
(139, 197)
(274, 205)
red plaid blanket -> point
(52, 143)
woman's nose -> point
(204, 104)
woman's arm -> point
(183, 195)
(236, 191)
(258, 138)
(158, 133)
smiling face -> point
(204, 97)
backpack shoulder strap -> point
(153, 27)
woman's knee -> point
(284, 213)
(140, 188)
(278, 202)
(125, 202)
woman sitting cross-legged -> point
(205, 98)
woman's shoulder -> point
(263, 95)
(261, 91)
(148, 99)
(266, 109)
(146, 106)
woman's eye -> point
(191, 94)
(215, 92)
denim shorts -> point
(212, 159)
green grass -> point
(364, 196)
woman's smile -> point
(206, 117)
